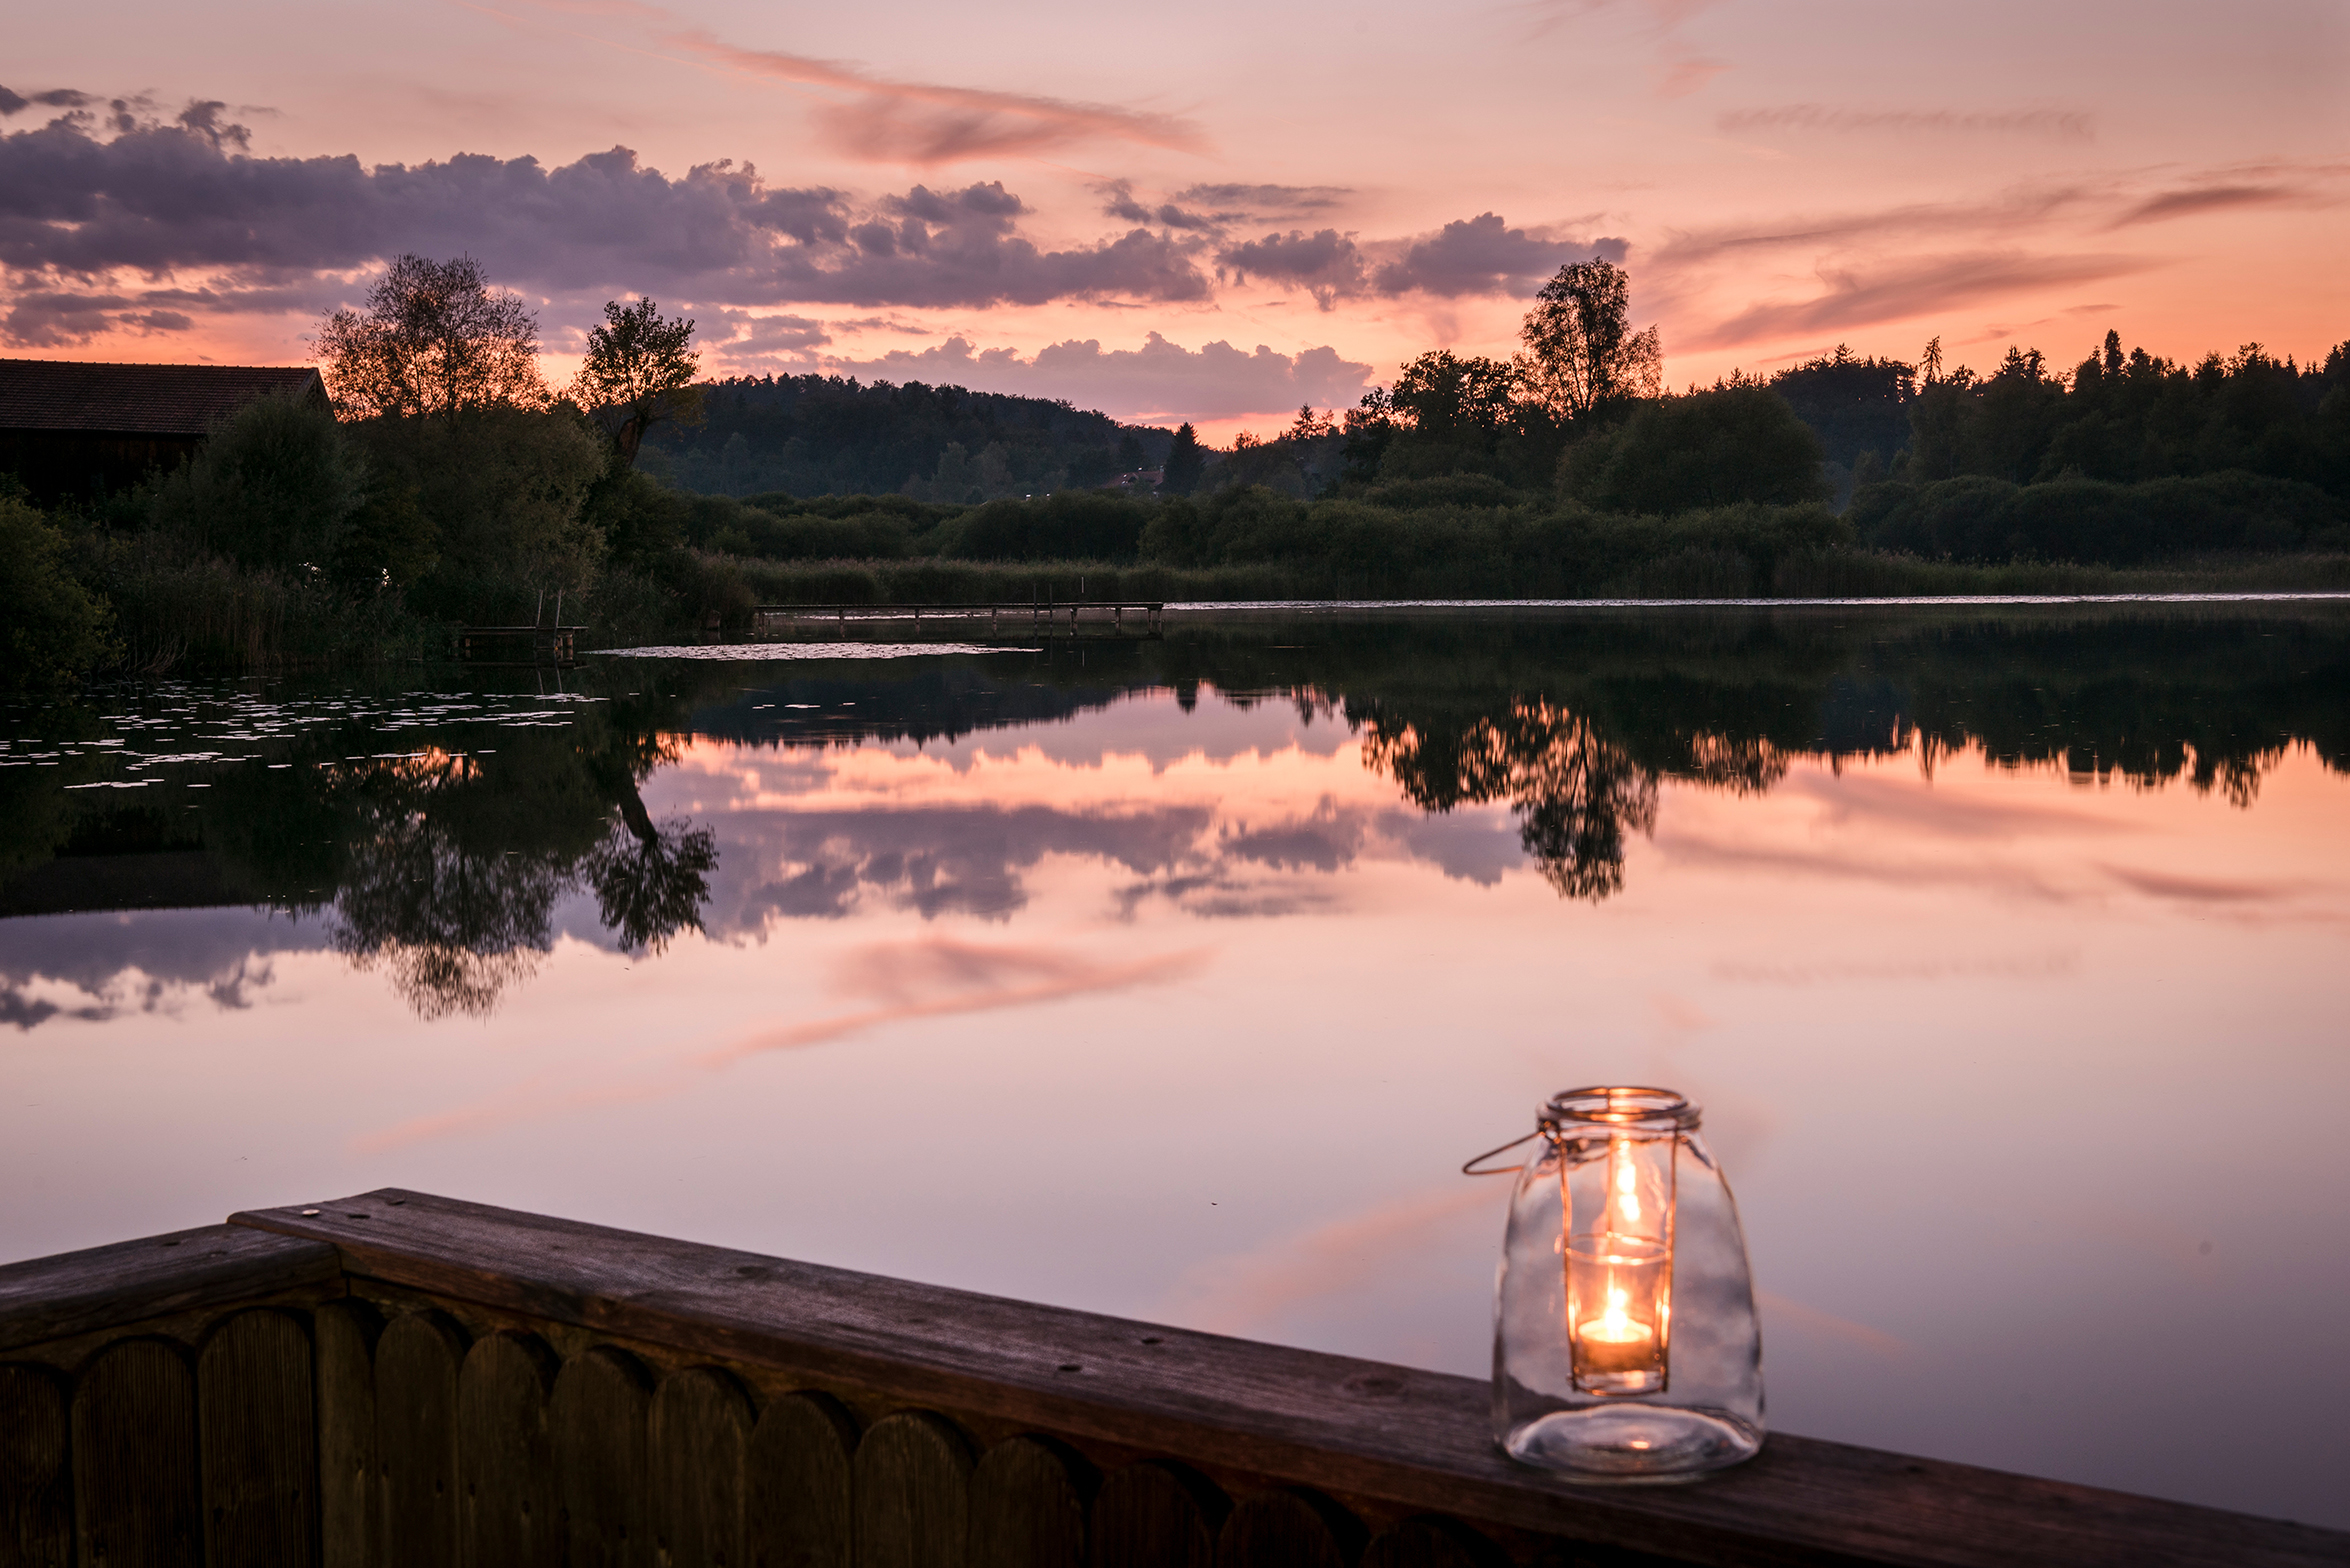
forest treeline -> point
(2122, 460)
(833, 435)
(450, 484)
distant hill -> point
(826, 435)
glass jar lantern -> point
(1625, 1346)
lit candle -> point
(1615, 1343)
(1619, 1273)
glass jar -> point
(1625, 1346)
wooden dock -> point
(395, 1380)
(519, 644)
(1141, 618)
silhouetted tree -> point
(1185, 462)
(638, 372)
(435, 342)
(1581, 352)
(1856, 404)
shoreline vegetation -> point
(449, 485)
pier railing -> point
(1116, 617)
(398, 1379)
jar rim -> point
(1621, 1105)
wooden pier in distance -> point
(1139, 618)
(519, 644)
(395, 1379)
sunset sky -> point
(1214, 212)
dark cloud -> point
(1326, 263)
(2054, 124)
(975, 860)
(925, 123)
(204, 120)
(962, 248)
(157, 321)
(54, 98)
(143, 961)
(1484, 255)
(1912, 286)
(1237, 202)
(47, 318)
(969, 860)
(2194, 199)
(1118, 200)
(158, 199)
(2014, 212)
(739, 335)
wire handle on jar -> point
(1470, 1169)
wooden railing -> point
(399, 1379)
(1043, 617)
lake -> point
(2004, 947)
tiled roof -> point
(57, 394)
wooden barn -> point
(72, 431)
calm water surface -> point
(2005, 951)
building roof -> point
(177, 400)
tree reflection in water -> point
(450, 876)
(449, 869)
(1576, 793)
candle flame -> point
(1615, 1324)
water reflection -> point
(1576, 793)
(1262, 929)
(442, 865)
(454, 863)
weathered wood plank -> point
(256, 1422)
(1028, 1502)
(912, 1482)
(416, 1368)
(798, 1511)
(134, 1459)
(36, 1479)
(598, 1415)
(344, 1335)
(1158, 1514)
(130, 1281)
(699, 1434)
(1289, 1529)
(1412, 1441)
(506, 1508)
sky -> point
(1217, 213)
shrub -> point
(1714, 448)
(1450, 490)
(1072, 525)
(52, 629)
(2073, 519)
(273, 484)
(505, 490)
